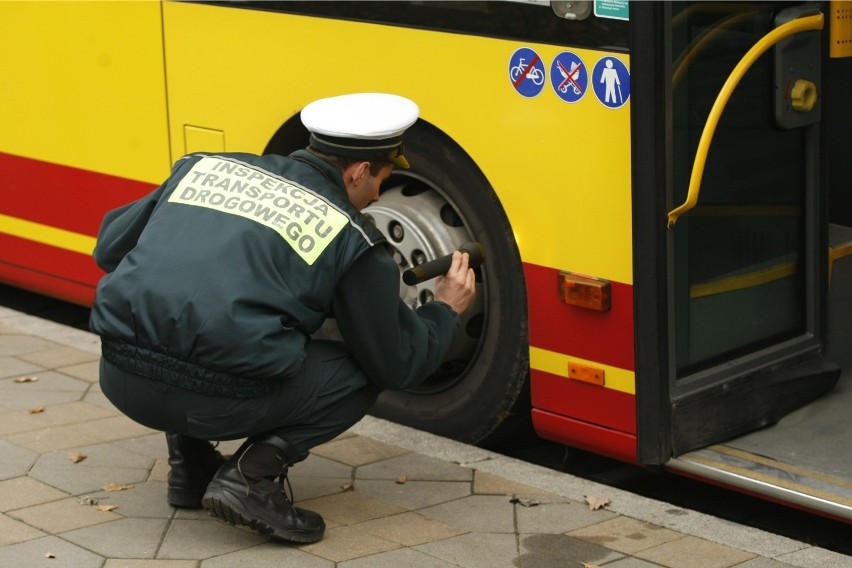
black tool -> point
(439, 266)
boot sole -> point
(226, 507)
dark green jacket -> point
(216, 280)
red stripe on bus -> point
(583, 401)
(45, 261)
(47, 284)
(585, 436)
(61, 196)
(603, 337)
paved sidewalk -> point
(83, 486)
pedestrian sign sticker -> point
(526, 72)
(611, 82)
(569, 77)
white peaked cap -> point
(361, 125)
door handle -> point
(783, 31)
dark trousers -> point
(329, 395)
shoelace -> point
(282, 478)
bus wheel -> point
(428, 211)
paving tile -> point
(761, 562)
(140, 500)
(44, 440)
(148, 563)
(409, 529)
(415, 467)
(693, 552)
(477, 513)
(63, 515)
(820, 557)
(16, 461)
(20, 492)
(625, 534)
(268, 555)
(396, 559)
(113, 428)
(34, 554)
(318, 466)
(87, 371)
(104, 464)
(160, 471)
(630, 562)
(487, 484)
(558, 517)
(14, 367)
(21, 400)
(307, 489)
(414, 494)
(152, 445)
(548, 550)
(59, 357)
(15, 345)
(351, 507)
(347, 542)
(125, 538)
(357, 450)
(69, 413)
(13, 531)
(205, 538)
(194, 515)
(95, 397)
(476, 550)
(44, 381)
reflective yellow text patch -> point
(306, 221)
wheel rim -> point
(421, 223)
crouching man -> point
(215, 282)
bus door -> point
(732, 289)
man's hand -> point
(458, 286)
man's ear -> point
(360, 170)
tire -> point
(480, 394)
(428, 211)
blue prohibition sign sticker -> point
(569, 77)
(611, 82)
(526, 72)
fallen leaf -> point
(587, 565)
(402, 479)
(77, 457)
(116, 487)
(524, 502)
(347, 487)
(106, 507)
(26, 379)
(49, 555)
(595, 502)
(36, 410)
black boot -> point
(244, 492)
(194, 463)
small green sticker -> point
(613, 9)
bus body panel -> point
(462, 86)
(74, 133)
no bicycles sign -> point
(526, 72)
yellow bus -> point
(662, 190)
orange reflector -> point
(585, 373)
(584, 292)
